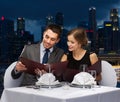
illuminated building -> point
(20, 26)
(6, 38)
(92, 26)
(115, 29)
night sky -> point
(35, 11)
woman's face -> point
(72, 43)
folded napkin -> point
(83, 78)
(47, 79)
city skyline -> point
(35, 12)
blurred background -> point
(23, 22)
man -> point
(35, 52)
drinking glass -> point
(83, 68)
(65, 85)
(38, 77)
(93, 73)
(48, 66)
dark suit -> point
(32, 52)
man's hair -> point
(55, 28)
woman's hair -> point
(55, 28)
(80, 35)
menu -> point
(96, 66)
(58, 68)
(31, 65)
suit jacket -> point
(32, 52)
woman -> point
(77, 39)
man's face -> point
(50, 39)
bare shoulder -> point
(92, 55)
(64, 58)
(93, 58)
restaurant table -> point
(61, 94)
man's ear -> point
(44, 34)
(58, 40)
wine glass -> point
(48, 66)
(38, 77)
(93, 73)
(83, 68)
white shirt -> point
(42, 52)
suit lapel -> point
(52, 55)
(37, 52)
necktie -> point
(45, 57)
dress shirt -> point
(42, 52)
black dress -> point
(73, 66)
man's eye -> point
(53, 39)
(46, 36)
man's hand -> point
(20, 67)
(39, 72)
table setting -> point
(46, 90)
(80, 80)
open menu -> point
(31, 65)
(69, 73)
(97, 66)
(58, 68)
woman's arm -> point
(64, 58)
(94, 59)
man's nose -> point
(48, 40)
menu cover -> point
(69, 73)
(96, 66)
(31, 65)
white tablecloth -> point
(23, 94)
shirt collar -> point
(43, 49)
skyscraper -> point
(49, 20)
(115, 30)
(6, 38)
(59, 19)
(107, 42)
(21, 38)
(20, 26)
(115, 19)
(92, 18)
(92, 27)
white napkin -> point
(83, 78)
(47, 79)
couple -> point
(76, 40)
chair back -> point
(9, 82)
(109, 77)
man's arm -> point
(15, 74)
(18, 70)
